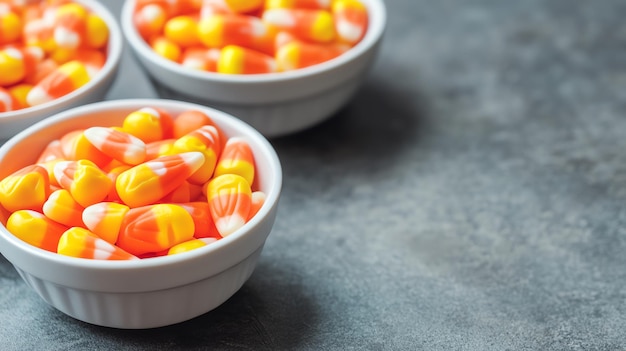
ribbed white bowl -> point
(150, 292)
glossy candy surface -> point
(104, 193)
(243, 36)
(48, 49)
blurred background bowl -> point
(13, 122)
(275, 103)
(150, 292)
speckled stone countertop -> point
(471, 197)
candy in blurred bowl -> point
(277, 103)
(98, 48)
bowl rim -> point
(376, 27)
(271, 201)
(115, 47)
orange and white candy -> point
(229, 197)
(81, 243)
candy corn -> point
(65, 79)
(87, 183)
(12, 66)
(53, 151)
(240, 60)
(163, 204)
(76, 146)
(313, 25)
(222, 30)
(105, 219)
(150, 20)
(190, 120)
(236, 158)
(242, 6)
(190, 245)
(117, 144)
(351, 20)
(229, 197)
(200, 58)
(70, 25)
(81, 243)
(25, 189)
(10, 26)
(230, 36)
(36, 229)
(159, 148)
(155, 228)
(150, 181)
(8, 102)
(182, 30)
(297, 54)
(62, 208)
(97, 32)
(166, 48)
(148, 124)
(206, 141)
(200, 212)
(257, 199)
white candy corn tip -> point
(157, 167)
(66, 38)
(324, 3)
(48, 206)
(194, 63)
(59, 170)
(258, 28)
(6, 101)
(193, 159)
(208, 132)
(279, 17)
(150, 111)
(134, 148)
(229, 224)
(103, 250)
(349, 31)
(92, 215)
(208, 240)
(214, 54)
(37, 96)
(151, 12)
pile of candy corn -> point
(250, 36)
(156, 185)
(48, 48)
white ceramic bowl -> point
(13, 122)
(151, 292)
(276, 103)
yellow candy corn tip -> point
(29, 226)
(323, 28)
(288, 56)
(231, 60)
(10, 26)
(186, 246)
(210, 31)
(77, 72)
(181, 30)
(97, 31)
